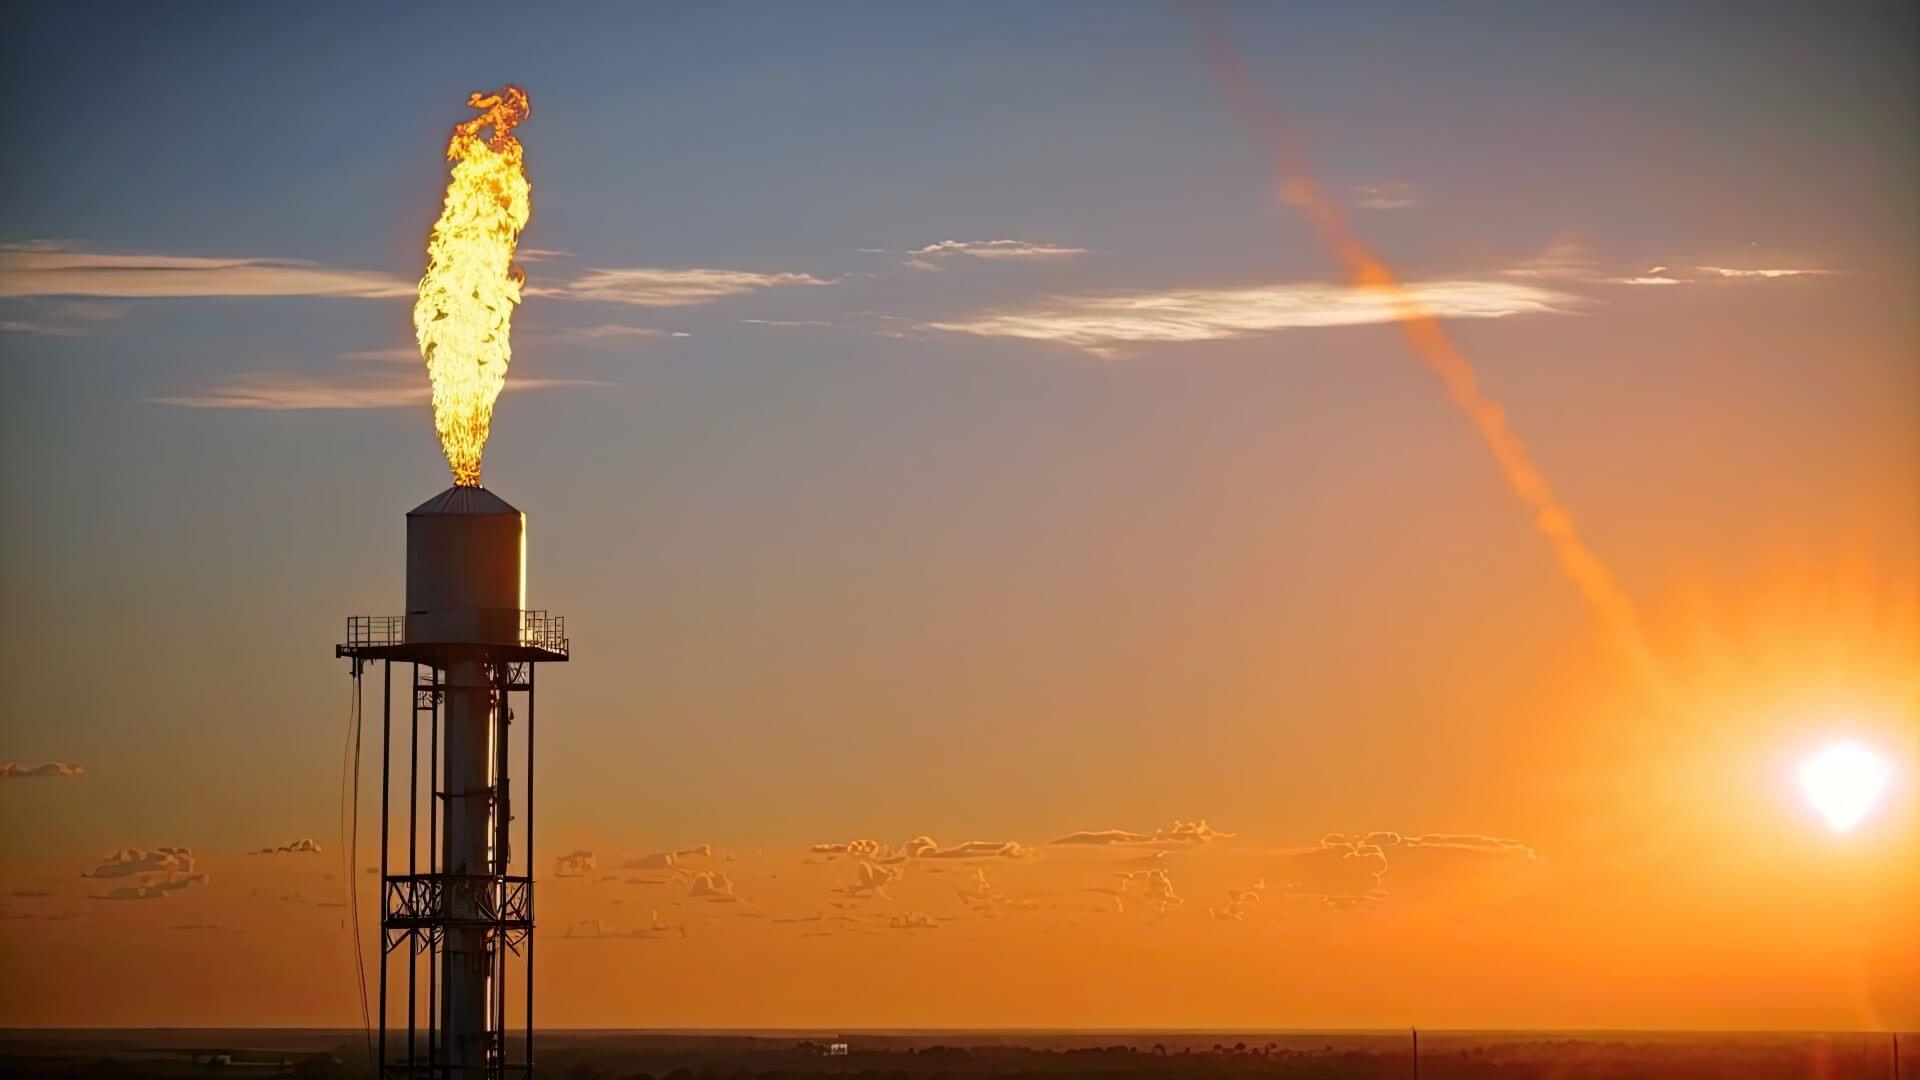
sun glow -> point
(1843, 782)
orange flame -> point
(467, 296)
(1434, 348)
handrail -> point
(536, 628)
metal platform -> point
(533, 637)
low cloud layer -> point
(1101, 324)
(47, 770)
(1349, 868)
(596, 928)
(1341, 874)
(1457, 841)
(576, 864)
(666, 860)
(923, 847)
(128, 862)
(711, 885)
(1151, 889)
(872, 880)
(150, 873)
(1239, 902)
(1178, 834)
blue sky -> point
(814, 484)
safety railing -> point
(544, 630)
(374, 630)
(535, 629)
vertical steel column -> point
(531, 668)
(439, 680)
(502, 673)
(386, 786)
(413, 829)
(465, 843)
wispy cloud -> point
(1568, 259)
(1661, 275)
(1656, 276)
(1392, 195)
(1731, 272)
(617, 332)
(393, 354)
(53, 317)
(290, 391)
(655, 287)
(49, 271)
(928, 257)
(1099, 324)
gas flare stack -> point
(456, 909)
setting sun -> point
(1843, 782)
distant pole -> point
(1416, 1054)
(1896, 1056)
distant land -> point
(926, 1055)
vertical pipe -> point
(465, 860)
(386, 786)
(530, 669)
(438, 676)
(497, 866)
(413, 828)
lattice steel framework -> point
(423, 906)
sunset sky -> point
(933, 422)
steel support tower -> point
(455, 912)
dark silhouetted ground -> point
(959, 1055)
